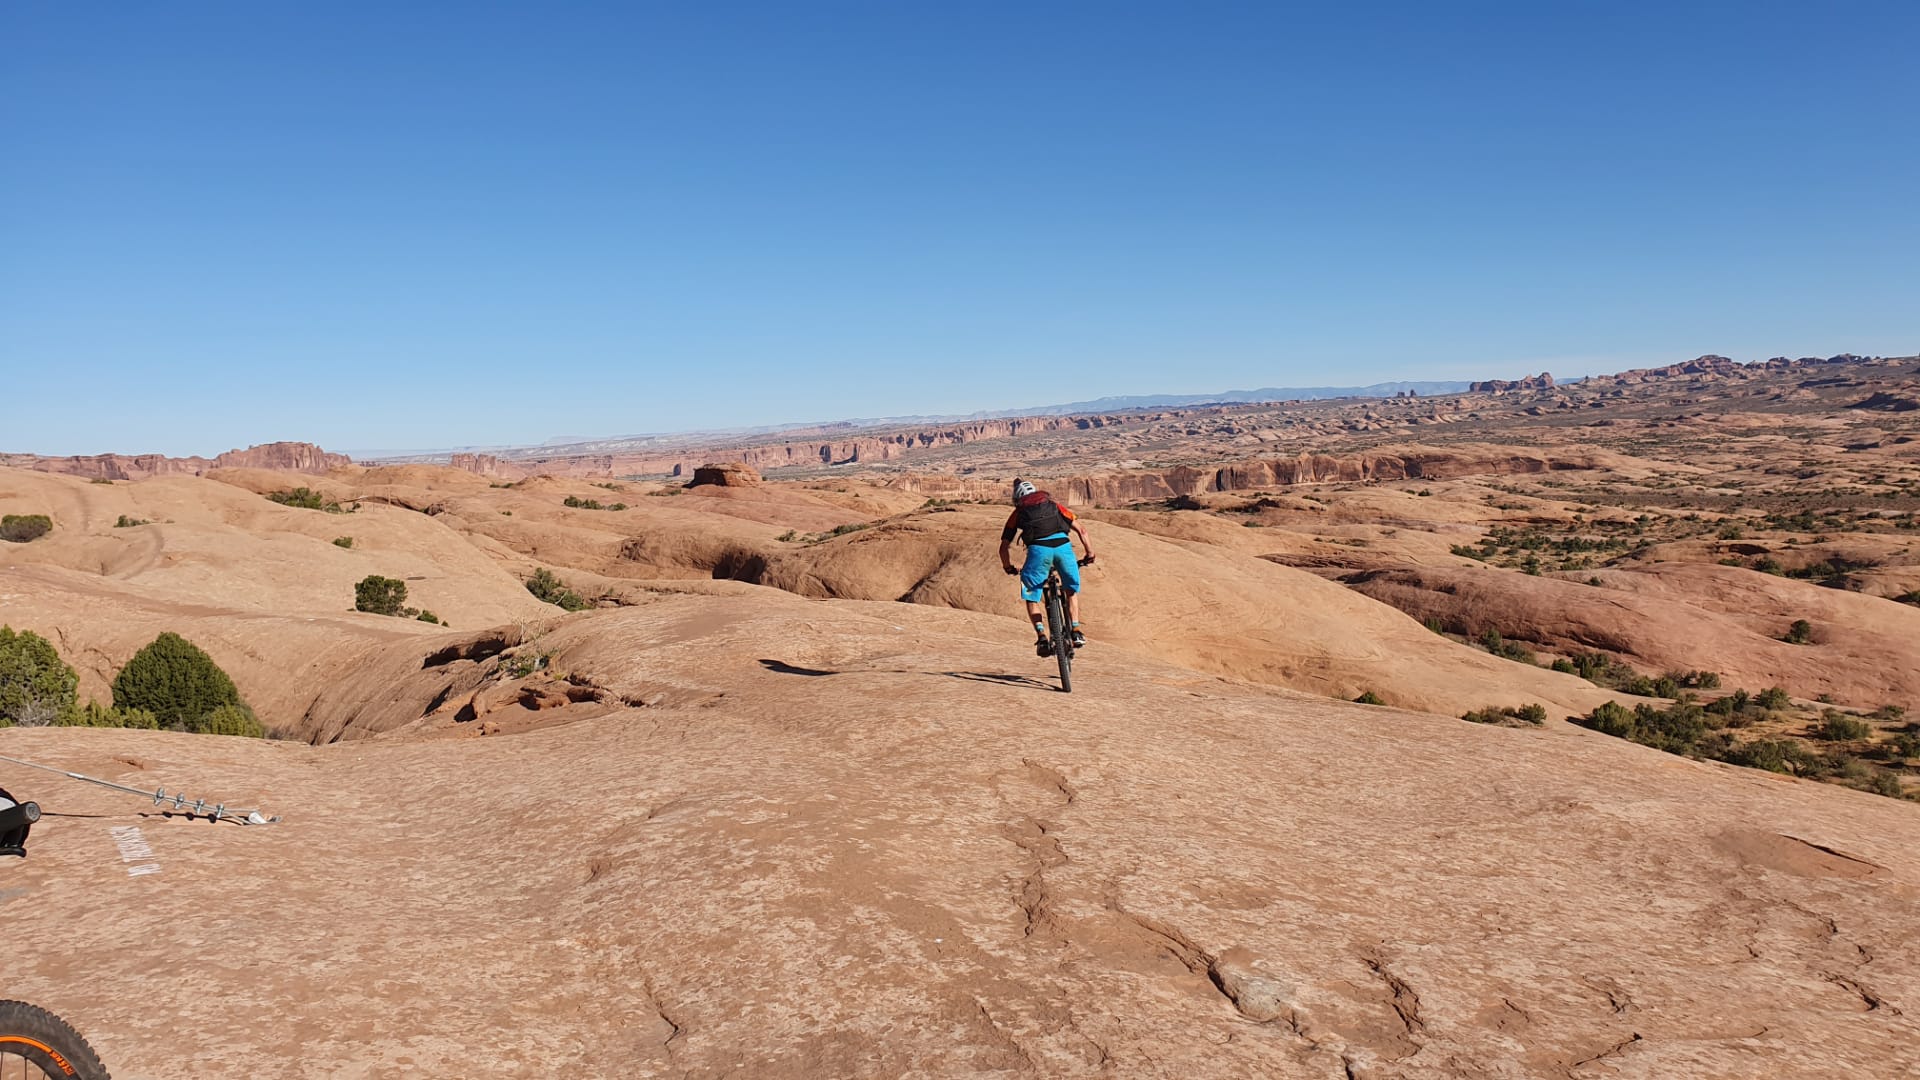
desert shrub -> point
(1773, 697)
(22, 528)
(429, 617)
(521, 665)
(1911, 596)
(1508, 716)
(1836, 726)
(305, 499)
(101, 480)
(176, 681)
(343, 541)
(1769, 565)
(1435, 625)
(36, 686)
(229, 720)
(1774, 755)
(789, 536)
(1676, 729)
(1890, 712)
(544, 585)
(1800, 633)
(578, 503)
(1882, 782)
(1368, 698)
(1509, 650)
(849, 527)
(1731, 532)
(94, 714)
(126, 522)
(380, 595)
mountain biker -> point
(1043, 525)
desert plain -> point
(1535, 730)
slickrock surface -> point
(866, 840)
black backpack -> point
(1043, 518)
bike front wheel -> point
(1062, 638)
(37, 1045)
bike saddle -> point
(16, 820)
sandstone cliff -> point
(297, 457)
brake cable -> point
(174, 803)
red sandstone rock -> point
(729, 474)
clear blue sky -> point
(419, 225)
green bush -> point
(578, 503)
(1773, 697)
(380, 595)
(21, 528)
(1369, 698)
(1508, 716)
(343, 541)
(1836, 726)
(94, 714)
(126, 522)
(1510, 650)
(1911, 596)
(229, 720)
(544, 585)
(305, 499)
(789, 536)
(36, 686)
(429, 617)
(175, 681)
(1800, 633)
(1775, 755)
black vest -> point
(1041, 520)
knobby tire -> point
(42, 1040)
(1062, 633)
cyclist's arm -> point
(1006, 540)
(1081, 531)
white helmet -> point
(1022, 489)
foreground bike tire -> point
(32, 1038)
(1062, 638)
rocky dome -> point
(729, 474)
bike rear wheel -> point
(37, 1045)
(1062, 631)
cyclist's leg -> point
(1033, 574)
(1069, 566)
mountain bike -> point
(34, 1043)
(1059, 628)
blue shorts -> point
(1033, 573)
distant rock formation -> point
(1542, 381)
(1709, 365)
(1886, 402)
(297, 457)
(729, 474)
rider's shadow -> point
(784, 668)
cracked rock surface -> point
(858, 839)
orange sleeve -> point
(1066, 513)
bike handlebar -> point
(15, 816)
